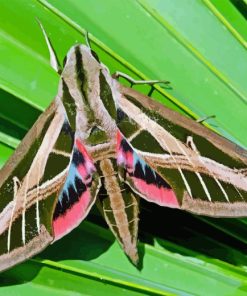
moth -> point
(101, 141)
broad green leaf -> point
(186, 42)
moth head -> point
(92, 88)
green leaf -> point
(197, 45)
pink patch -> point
(119, 139)
(160, 195)
(88, 167)
(83, 150)
(120, 158)
(129, 160)
(82, 171)
(73, 216)
(124, 158)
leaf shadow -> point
(20, 274)
(86, 242)
(189, 235)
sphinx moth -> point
(99, 140)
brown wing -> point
(206, 171)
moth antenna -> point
(53, 57)
(87, 39)
(133, 81)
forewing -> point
(206, 172)
(29, 188)
(47, 186)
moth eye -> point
(97, 136)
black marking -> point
(107, 97)
(120, 115)
(68, 200)
(125, 124)
(80, 186)
(64, 61)
(149, 175)
(94, 54)
(73, 195)
(67, 130)
(160, 182)
(78, 158)
(69, 105)
(126, 146)
(58, 210)
(61, 206)
(65, 202)
(103, 194)
(138, 172)
(82, 79)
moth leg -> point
(53, 57)
(201, 120)
(133, 81)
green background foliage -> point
(198, 45)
